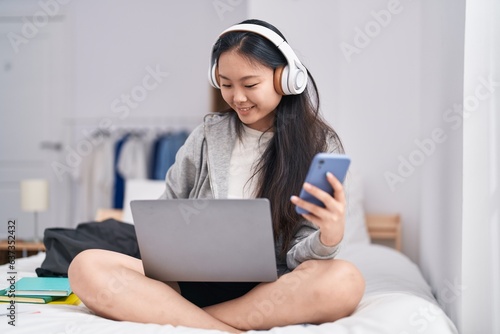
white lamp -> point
(35, 198)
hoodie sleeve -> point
(306, 244)
(181, 178)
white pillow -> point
(140, 189)
(355, 228)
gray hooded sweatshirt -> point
(201, 170)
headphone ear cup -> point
(216, 75)
(278, 73)
(213, 75)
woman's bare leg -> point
(315, 292)
(114, 286)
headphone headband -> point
(293, 76)
(258, 29)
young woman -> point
(261, 147)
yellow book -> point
(72, 299)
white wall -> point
(379, 105)
(116, 41)
(441, 182)
(34, 96)
(481, 171)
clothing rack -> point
(135, 121)
(132, 148)
(84, 126)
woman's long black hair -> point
(299, 133)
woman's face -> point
(248, 87)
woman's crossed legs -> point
(114, 286)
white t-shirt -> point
(244, 158)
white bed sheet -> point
(397, 300)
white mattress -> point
(397, 300)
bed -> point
(397, 299)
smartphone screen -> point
(337, 164)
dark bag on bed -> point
(63, 244)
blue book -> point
(43, 286)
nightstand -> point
(22, 249)
(385, 227)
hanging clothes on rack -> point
(94, 178)
(99, 180)
(130, 153)
(166, 148)
(119, 184)
(134, 157)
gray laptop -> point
(223, 240)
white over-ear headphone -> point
(288, 80)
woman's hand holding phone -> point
(322, 199)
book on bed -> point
(6, 297)
(43, 286)
(72, 299)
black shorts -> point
(205, 294)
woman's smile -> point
(248, 87)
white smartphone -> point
(337, 164)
